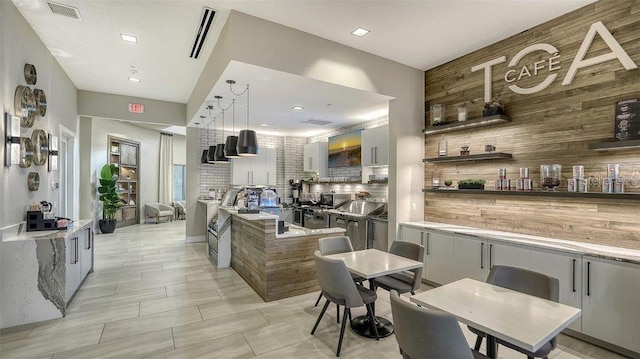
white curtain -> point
(165, 185)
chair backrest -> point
(334, 279)
(525, 281)
(333, 245)
(425, 333)
(411, 251)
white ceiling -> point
(274, 93)
(421, 34)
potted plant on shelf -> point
(109, 197)
(471, 184)
(493, 108)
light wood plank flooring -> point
(154, 296)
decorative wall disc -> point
(40, 145)
(41, 102)
(25, 106)
(26, 152)
(30, 74)
(33, 181)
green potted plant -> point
(471, 184)
(109, 197)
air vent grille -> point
(64, 10)
(313, 121)
(203, 29)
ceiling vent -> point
(312, 121)
(203, 29)
(64, 10)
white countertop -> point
(372, 263)
(11, 233)
(297, 231)
(610, 252)
(250, 216)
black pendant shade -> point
(204, 157)
(220, 157)
(211, 154)
(247, 143)
(231, 147)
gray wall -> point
(19, 45)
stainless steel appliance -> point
(298, 215)
(212, 239)
(354, 217)
(315, 218)
(334, 200)
(378, 235)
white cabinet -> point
(315, 158)
(73, 272)
(259, 170)
(508, 255)
(438, 253)
(567, 268)
(611, 301)
(438, 259)
(375, 146)
(470, 258)
(86, 252)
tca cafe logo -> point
(552, 63)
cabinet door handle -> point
(372, 155)
(573, 275)
(490, 256)
(428, 242)
(248, 180)
(376, 153)
(88, 238)
(422, 238)
(588, 279)
(482, 255)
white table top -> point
(518, 318)
(372, 263)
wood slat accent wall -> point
(275, 268)
(555, 125)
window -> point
(179, 184)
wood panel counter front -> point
(275, 266)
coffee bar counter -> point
(275, 265)
(581, 248)
(40, 272)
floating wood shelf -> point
(615, 196)
(615, 146)
(470, 158)
(457, 126)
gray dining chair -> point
(524, 281)
(424, 333)
(339, 288)
(403, 282)
(334, 245)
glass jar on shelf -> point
(437, 115)
(550, 176)
(442, 147)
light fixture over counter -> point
(247, 139)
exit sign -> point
(136, 108)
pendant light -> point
(203, 158)
(220, 157)
(231, 144)
(211, 155)
(247, 139)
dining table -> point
(370, 264)
(515, 317)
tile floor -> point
(154, 296)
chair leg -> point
(413, 293)
(318, 301)
(373, 321)
(478, 343)
(349, 310)
(338, 314)
(324, 309)
(344, 323)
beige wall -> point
(258, 42)
(19, 45)
(97, 104)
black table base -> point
(362, 326)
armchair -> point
(180, 209)
(157, 210)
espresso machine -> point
(296, 191)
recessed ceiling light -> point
(264, 125)
(360, 32)
(129, 38)
(297, 108)
(134, 79)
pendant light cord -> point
(247, 91)
(233, 126)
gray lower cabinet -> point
(438, 258)
(611, 301)
(512, 255)
(567, 267)
(470, 258)
(79, 260)
(86, 252)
